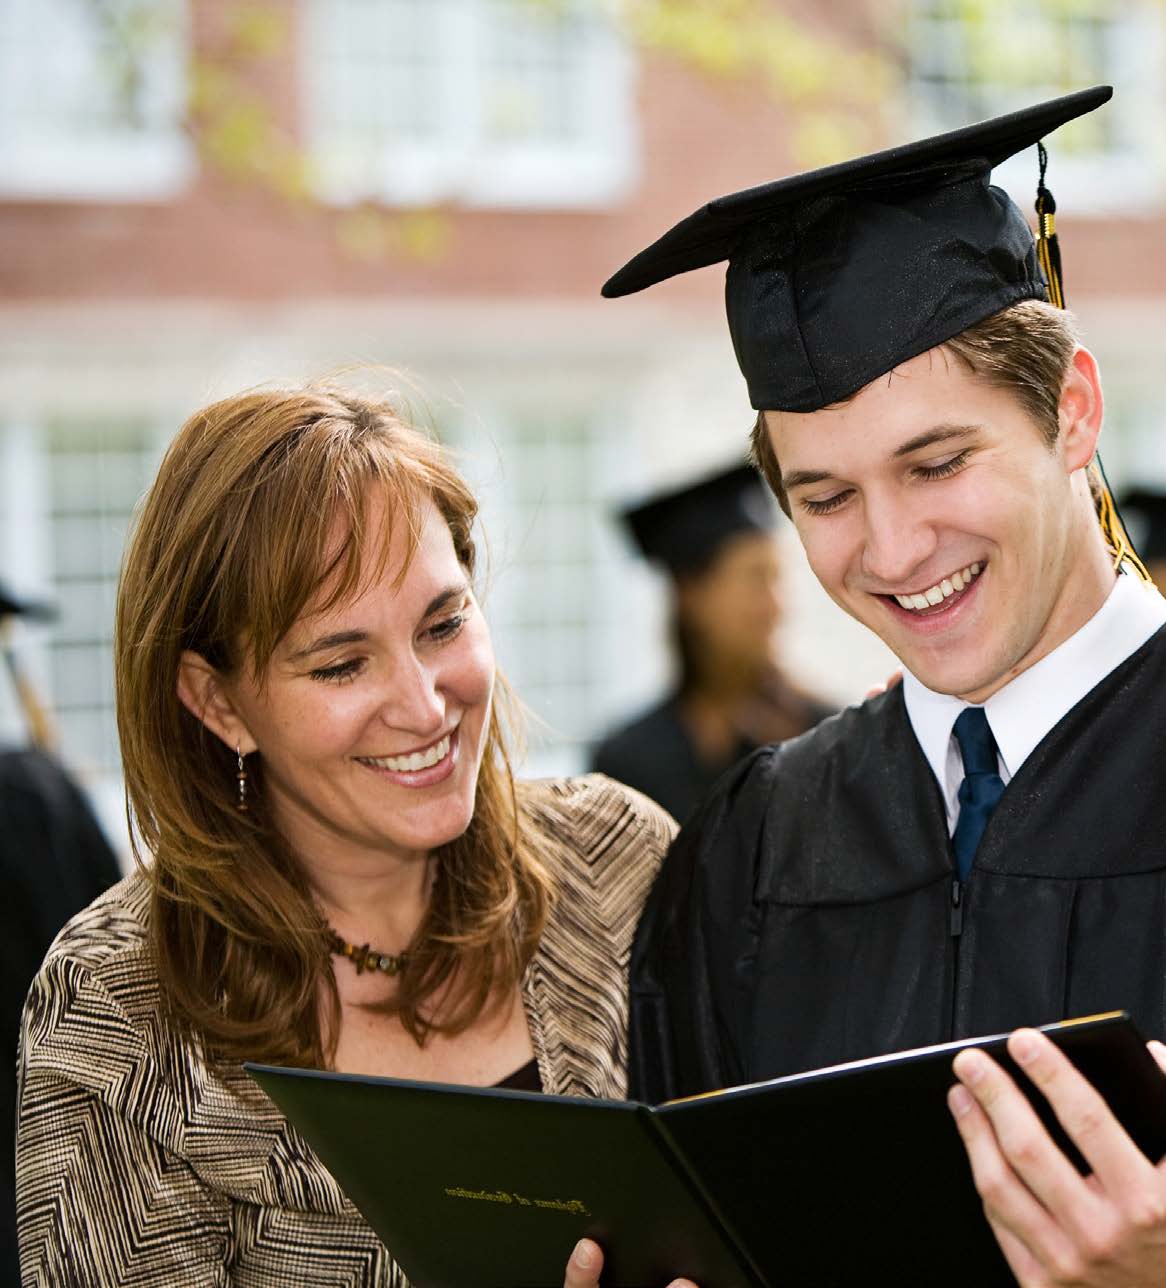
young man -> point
(985, 846)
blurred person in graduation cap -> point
(984, 846)
(716, 540)
(54, 860)
(1144, 510)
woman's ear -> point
(203, 693)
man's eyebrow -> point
(802, 478)
(338, 639)
(929, 437)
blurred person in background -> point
(716, 540)
(54, 859)
(1145, 510)
(338, 868)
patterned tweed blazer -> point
(138, 1165)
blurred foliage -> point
(372, 233)
(831, 76)
(830, 88)
(830, 83)
(1023, 42)
(983, 49)
(231, 119)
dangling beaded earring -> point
(241, 779)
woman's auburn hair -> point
(234, 539)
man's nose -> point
(898, 540)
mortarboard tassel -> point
(1112, 527)
(1048, 251)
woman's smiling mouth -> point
(418, 768)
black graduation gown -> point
(808, 914)
(54, 860)
(655, 755)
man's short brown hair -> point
(1025, 349)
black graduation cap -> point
(838, 275)
(686, 527)
(1144, 512)
(10, 606)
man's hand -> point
(586, 1263)
(1056, 1227)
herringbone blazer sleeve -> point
(104, 1197)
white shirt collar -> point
(1024, 710)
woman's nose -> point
(415, 700)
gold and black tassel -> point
(1112, 528)
(1048, 249)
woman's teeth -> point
(943, 590)
(413, 762)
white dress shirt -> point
(1025, 709)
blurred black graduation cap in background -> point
(1144, 511)
(838, 275)
(35, 716)
(685, 528)
(11, 606)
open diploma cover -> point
(848, 1175)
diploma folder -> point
(843, 1176)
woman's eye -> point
(340, 673)
(448, 627)
(824, 507)
(941, 471)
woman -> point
(338, 869)
(715, 539)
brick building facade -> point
(440, 187)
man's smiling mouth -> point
(959, 581)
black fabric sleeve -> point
(693, 962)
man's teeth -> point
(411, 763)
(943, 590)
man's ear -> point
(203, 693)
(1080, 410)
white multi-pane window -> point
(92, 94)
(96, 473)
(554, 576)
(485, 102)
(971, 59)
(71, 485)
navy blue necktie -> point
(982, 786)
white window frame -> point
(594, 169)
(1129, 177)
(43, 154)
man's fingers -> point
(1119, 1165)
(1158, 1051)
(585, 1265)
(1021, 1174)
(1024, 1266)
(1009, 1204)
